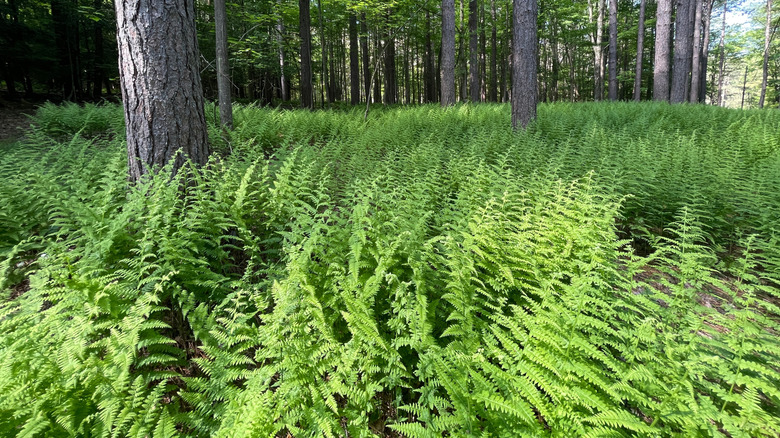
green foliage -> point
(613, 271)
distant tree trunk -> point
(160, 79)
(391, 82)
(354, 67)
(697, 53)
(493, 88)
(366, 59)
(722, 60)
(97, 67)
(524, 48)
(598, 53)
(640, 48)
(767, 38)
(683, 51)
(324, 50)
(474, 81)
(613, 85)
(447, 52)
(307, 93)
(223, 70)
(705, 50)
(66, 34)
(430, 68)
(282, 57)
(744, 86)
(663, 40)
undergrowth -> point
(613, 271)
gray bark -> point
(447, 52)
(767, 37)
(640, 47)
(524, 48)
(722, 60)
(697, 53)
(663, 39)
(223, 69)
(160, 81)
(282, 57)
(354, 67)
(304, 20)
(613, 85)
(598, 52)
(683, 51)
(366, 57)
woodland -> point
(342, 218)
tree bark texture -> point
(447, 52)
(223, 69)
(697, 53)
(663, 40)
(767, 37)
(354, 67)
(613, 85)
(640, 48)
(524, 48)
(474, 82)
(598, 52)
(160, 81)
(705, 50)
(304, 20)
(683, 51)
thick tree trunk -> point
(447, 52)
(613, 85)
(354, 67)
(640, 48)
(474, 87)
(663, 40)
(767, 37)
(697, 53)
(683, 50)
(160, 80)
(223, 70)
(307, 93)
(366, 59)
(524, 93)
(722, 60)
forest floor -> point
(14, 119)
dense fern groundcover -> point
(612, 271)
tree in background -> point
(307, 93)
(767, 40)
(663, 42)
(160, 82)
(447, 52)
(223, 69)
(524, 54)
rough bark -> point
(474, 82)
(767, 37)
(448, 52)
(304, 19)
(640, 48)
(697, 53)
(663, 39)
(354, 67)
(160, 81)
(683, 51)
(613, 85)
(524, 48)
(223, 69)
(705, 50)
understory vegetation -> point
(612, 271)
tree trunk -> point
(683, 51)
(354, 67)
(160, 81)
(524, 93)
(282, 57)
(613, 85)
(722, 60)
(640, 48)
(447, 52)
(366, 59)
(430, 67)
(696, 64)
(766, 52)
(705, 50)
(223, 70)
(304, 18)
(598, 54)
(663, 40)
(324, 51)
(744, 86)
(493, 89)
(391, 83)
(474, 82)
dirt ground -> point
(13, 118)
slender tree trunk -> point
(323, 48)
(744, 86)
(765, 73)
(683, 51)
(304, 18)
(391, 83)
(613, 85)
(663, 39)
(705, 50)
(493, 90)
(697, 53)
(640, 48)
(354, 67)
(473, 51)
(598, 53)
(160, 80)
(366, 58)
(448, 52)
(430, 68)
(97, 68)
(722, 60)
(524, 48)
(223, 70)
(282, 57)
